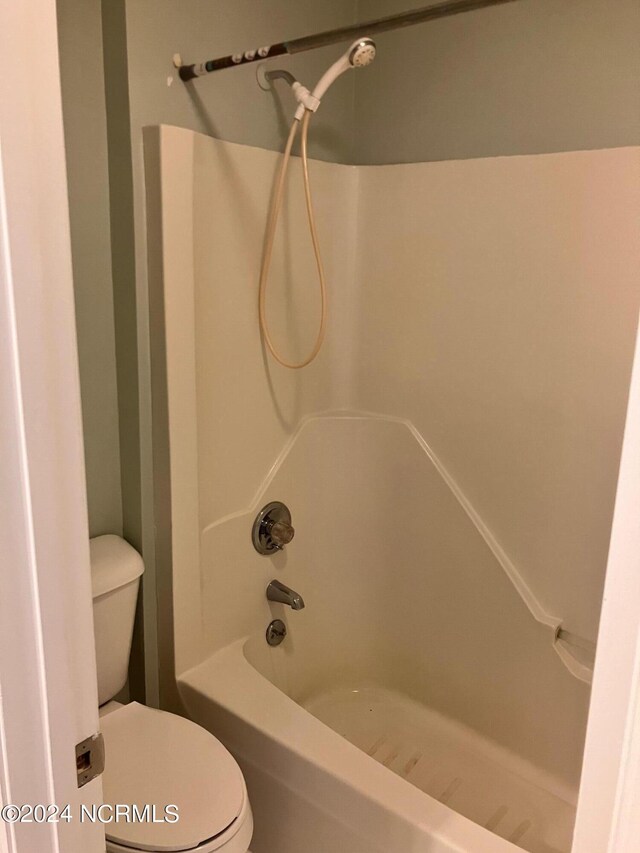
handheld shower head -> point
(362, 52)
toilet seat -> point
(156, 758)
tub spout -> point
(277, 591)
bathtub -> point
(312, 791)
(398, 715)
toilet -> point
(157, 762)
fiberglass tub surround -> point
(451, 510)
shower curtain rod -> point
(367, 28)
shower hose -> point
(272, 223)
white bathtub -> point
(398, 715)
(311, 791)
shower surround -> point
(449, 460)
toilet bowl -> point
(169, 785)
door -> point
(608, 819)
(48, 694)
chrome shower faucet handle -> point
(272, 528)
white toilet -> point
(153, 758)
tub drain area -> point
(451, 763)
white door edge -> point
(608, 818)
(48, 695)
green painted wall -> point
(533, 76)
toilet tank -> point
(116, 568)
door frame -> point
(48, 691)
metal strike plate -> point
(89, 759)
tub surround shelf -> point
(577, 654)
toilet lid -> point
(157, 759)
